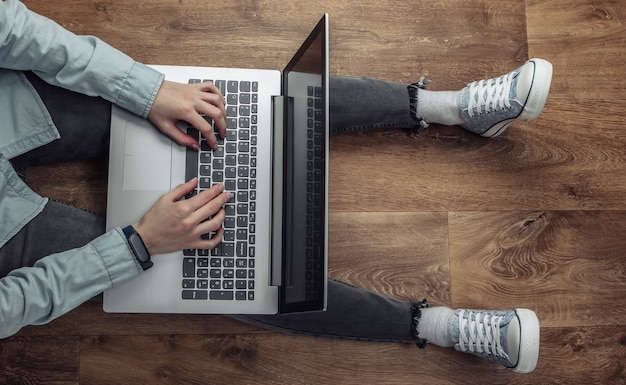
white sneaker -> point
(509, 337)
(489, 106)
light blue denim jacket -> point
(57, 283)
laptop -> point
(274, 254)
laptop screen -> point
(305, 84)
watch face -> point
(139, 248)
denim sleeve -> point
(83, 64)
(60, 282)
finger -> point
(183, 189)
(213, 224)
(212, 207)
(209, 243)
(171, 130)
(212, 88)
(204, 127)
(218, 115)
(200, 200)
(214, 97)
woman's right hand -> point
(174, 224)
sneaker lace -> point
(490, 95)
(480, 333)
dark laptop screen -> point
(305, 86)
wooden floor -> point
(534, 218)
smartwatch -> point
(137, 247)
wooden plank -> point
(585, 40)
(568, 355)
(39, 360)
(364, 37)
(400, 255)
(81, 184)
(568, 266)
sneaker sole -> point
(535, 101)
(529, 341)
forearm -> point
(60, 282)
(83, 64)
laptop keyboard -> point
(315, 193)
(227, 272)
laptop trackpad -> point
(147, 158)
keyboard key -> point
(195, 294)
(189, 267)
(218, 164)
(229, 249)
(205, 157)
(231, 134)
(216, 262)
(242, 249)
(221, 85)
(221, 295)
(232, 86)
(218, 177)
(231, 111)
(244, 98)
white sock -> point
(440, 107)
(433, 325)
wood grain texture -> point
(533, 218)
(39, 360)
(568, 266)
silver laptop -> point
(274, 254)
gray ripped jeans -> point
(355, 104)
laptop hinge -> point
(276, 251)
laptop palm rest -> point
(145, 158)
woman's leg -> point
(485, 107)
(509, 337)
(358, 104)
(352, 313)
(73, 227)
